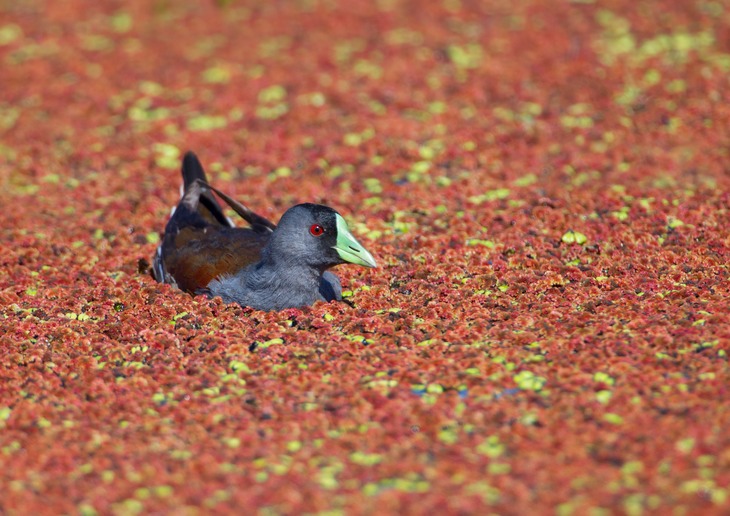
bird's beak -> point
(349, 248)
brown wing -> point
(195, 256)
(200, 243)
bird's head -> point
(316, 236)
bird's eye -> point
(316, 230)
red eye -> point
(316, 230)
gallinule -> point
(265, 266)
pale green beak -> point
(349, 248)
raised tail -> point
(208, 207)
(191, 170)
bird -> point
(265, 266)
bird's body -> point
(264, 266)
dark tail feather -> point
(258, 223)
(192, 169)
(209, 208)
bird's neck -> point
(279, 284)
(289, 265)
(288, 273)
